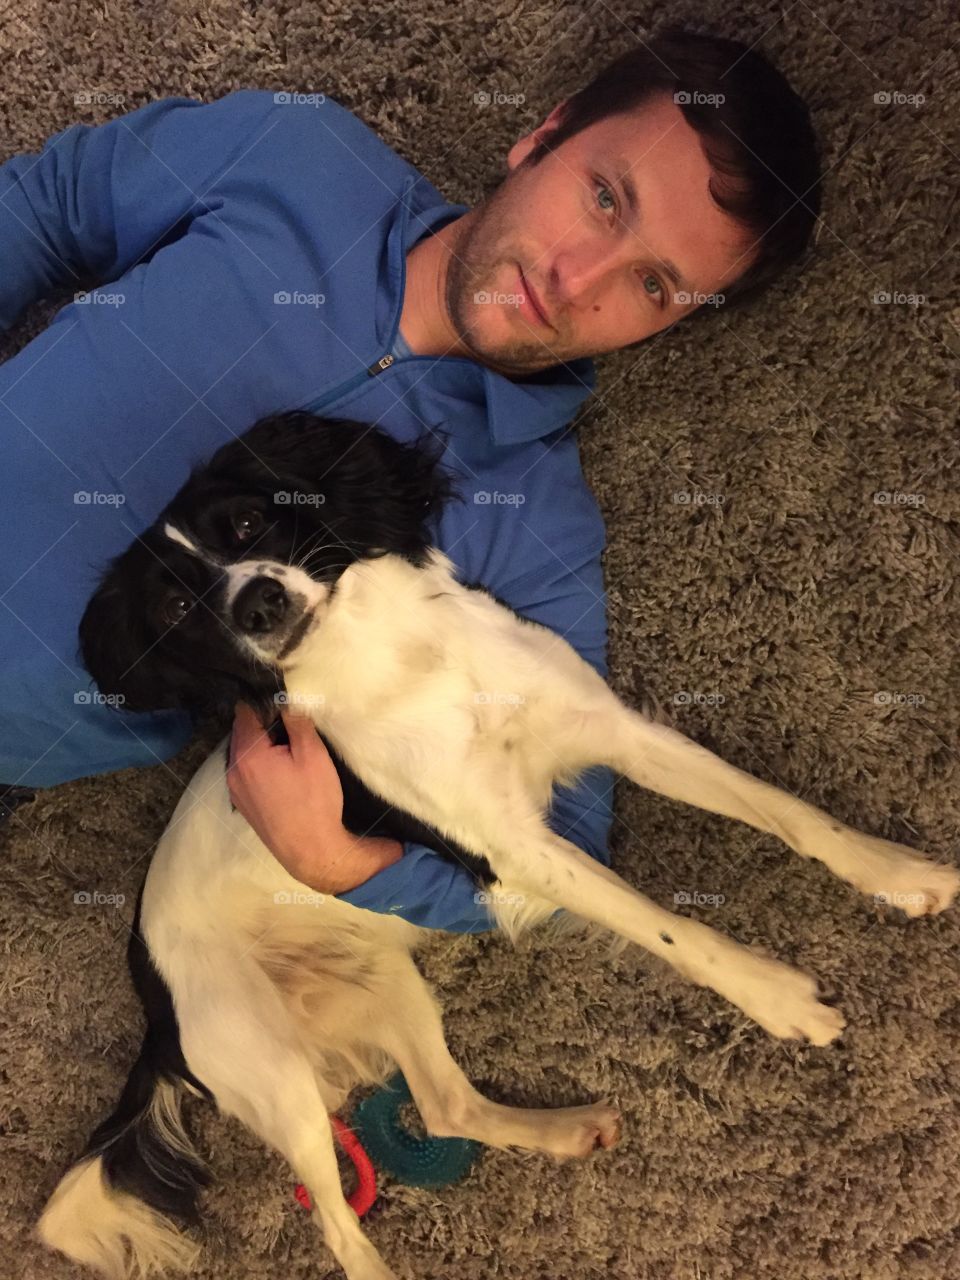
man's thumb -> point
(300, 728)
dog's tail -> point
(111, 1210)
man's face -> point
(563, 232)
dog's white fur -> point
(452, 708)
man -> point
(270, 252)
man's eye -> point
(652, 285)
(175, 607)
(604, 191)
(247, 524)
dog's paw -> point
(783, 1000)
(896, 876)
(364, 1263)
(574, 1132)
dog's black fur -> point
(136, 1158)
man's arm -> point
(97, 199)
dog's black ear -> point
(116, 649)
(377, 492)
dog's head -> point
(209, 603)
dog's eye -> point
(247, 524)
(175, 607)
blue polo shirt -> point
(230, 260)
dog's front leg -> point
(782, 999)
(663, 760)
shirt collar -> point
(517, 412)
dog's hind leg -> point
(410, 1029)
(241, 1041)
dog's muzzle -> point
(274, 617)
(260, 607)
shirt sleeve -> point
(566, 593)
(99, 198)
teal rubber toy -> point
(416, 1162)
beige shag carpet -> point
(816, 630)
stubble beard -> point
(473, 269)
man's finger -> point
(301, 731)
(248, 733)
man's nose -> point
(582, 274)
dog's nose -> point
(260, 605)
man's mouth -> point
(532, 303)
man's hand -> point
(291, 796)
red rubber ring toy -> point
(361, 1200)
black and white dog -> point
(275, 1003)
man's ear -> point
(523, 147)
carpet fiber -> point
(779, 613)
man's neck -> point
(424, 321)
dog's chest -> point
(368, 669)
(422, 685)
